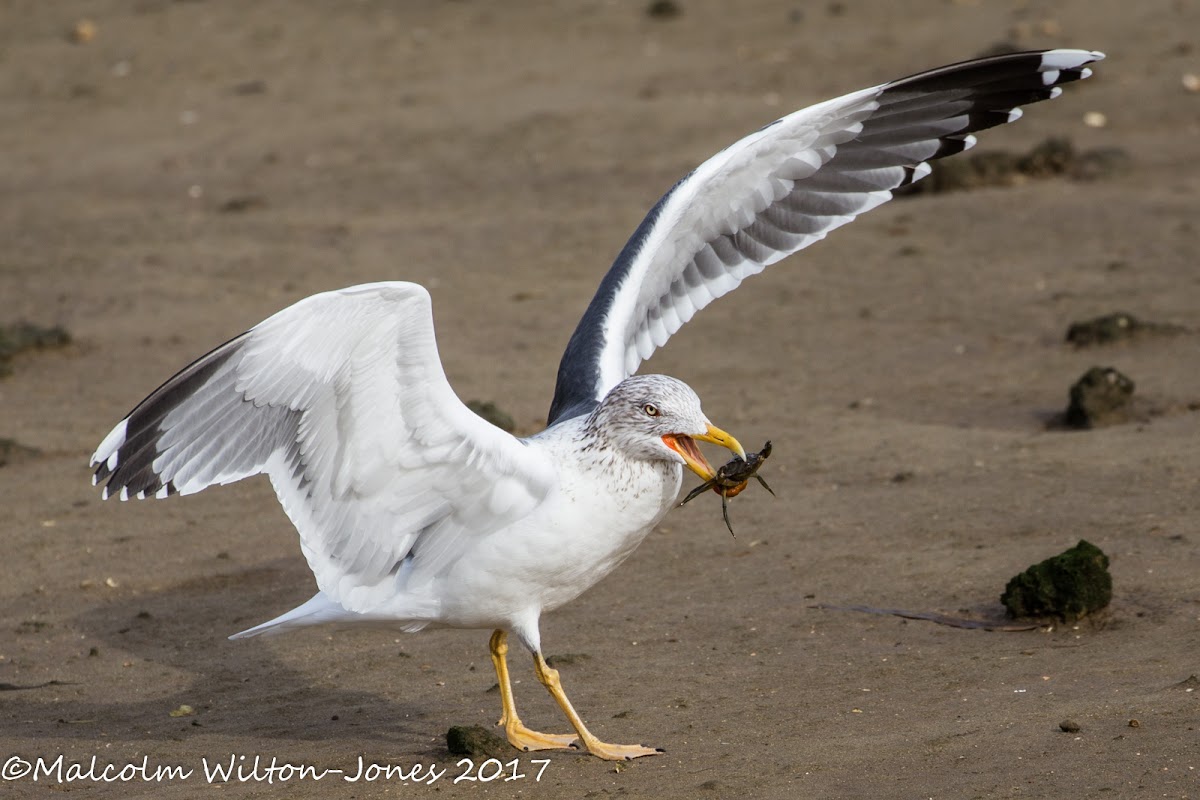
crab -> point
(731, 478)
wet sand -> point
(196, 166)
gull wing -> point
(342, 401)
(779, 190)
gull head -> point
(658, 418)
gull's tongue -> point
(686, 447)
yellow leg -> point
(518, 735)
(611, 752)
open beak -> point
(686, 447)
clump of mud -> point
(493, 414)
(1053, 157)
(663, 9)
(1103, 396)
(13, 452)
(475, 740)
(24, 336)
(1068, 586)
(1116, 327)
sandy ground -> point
(198, 165)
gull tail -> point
(321, 609)
(317, 611)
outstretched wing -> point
(779, 190)
(342, 401)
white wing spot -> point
(1067, 59)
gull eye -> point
(650, 410)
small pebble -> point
(83, 31)
(1069, 726)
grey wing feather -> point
(341, 399)
(779, 190)
(142, 455)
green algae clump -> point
(475, 740)
(1070, 585)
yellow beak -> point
(686, 447)
(718, 436)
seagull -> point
(413, 511)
